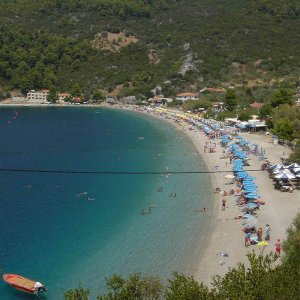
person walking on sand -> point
(278, 248)
(247, 238)
(268, 232)
(259, 234)
(223, 204)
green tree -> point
(284, 129)
(244, 116)
(295, 156)
(281, 96)
(181, 287)
(265, 111)
(77, 294)
(98, 96)
(76, 90)
(135, 287)
(230, 99)
(52, 97)
(195, 104)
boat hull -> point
(21, 283)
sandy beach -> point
(225, 233)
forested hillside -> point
(183, 44)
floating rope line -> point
(119, 172)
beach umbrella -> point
(285, 176)
(294, 165)
(280, 169)
(249, 190)
(296, 170)
(251, 205)
(249, 184)
(247, 181)
(251, 223)
(242, 175)
(252, 196)
(248, 216)
(229, 176)
(275, 166)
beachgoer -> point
(247, 238)
(259, 234)
(223, 203)
(278, 248)
(217, 190)
(268, 232)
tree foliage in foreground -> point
(262, 279)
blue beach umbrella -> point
(252, 222)
(249, 186)
(249, 192)
(251, 205)
(241, 175)
(248, 181)
(248, 216)
(252, 196)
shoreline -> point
(224, 233)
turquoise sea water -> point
(51, 234)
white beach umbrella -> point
(296, 170)
(276, 166)
(282, 170)
(294, 165)
(285, 175)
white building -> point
(37, 96)
(186, 96)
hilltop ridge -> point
(183, 44)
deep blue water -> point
(50, 233)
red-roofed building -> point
(187, 96)
(77, 100)
(63, 96)
(256, 105)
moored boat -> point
(24, 284)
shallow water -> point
(53, 233)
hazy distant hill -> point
(135, 45)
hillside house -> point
(37, 96)
(63, 96)
(186, 96)
(161, 100)
(256, 105)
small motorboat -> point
(24, 284)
